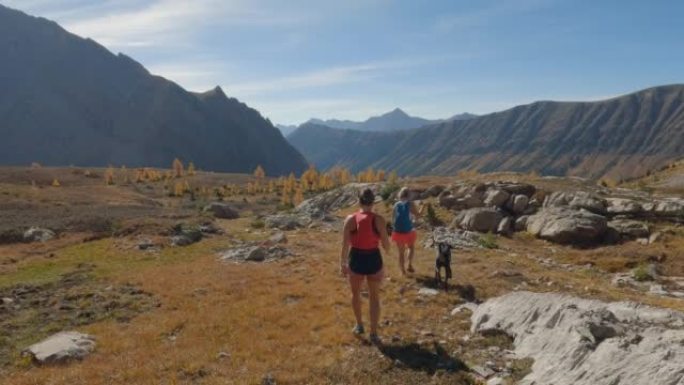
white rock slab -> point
(62, 347)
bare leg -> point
(411, 252)
(402, 252)
(374, 299)
(356, 284)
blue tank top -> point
(402, 217)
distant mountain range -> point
(619, 137)
(394, 120)
(67, 100)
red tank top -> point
(366, 236)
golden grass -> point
(292, 318)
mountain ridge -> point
(67, 100)
(618, 137)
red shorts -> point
(406, 239)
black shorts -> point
(365, 262)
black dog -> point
(443, 261)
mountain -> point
(394, 120)
(463, 116)
(67, 100)
(620, 137)
(286, 129)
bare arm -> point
(346, 241)
(381, 225)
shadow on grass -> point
(416, 357)
(466, 292)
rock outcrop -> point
(577, 341)
(37, 234)
(221, 210)
(567, 226)
(61, 347)
(484, 220)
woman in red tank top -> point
(360, 259)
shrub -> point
(641, 273)
(488, 241)
(388, 190)
(257, 224)
(432, 217)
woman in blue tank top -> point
(403, 233)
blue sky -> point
(351, 59)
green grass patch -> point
(488, 241)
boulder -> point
(339, 198)
(255, 253)
(458, 239)
(505, 226)
(484, 220)
(287, 221)
(671, 208)
(517, 188)
(221, 210)
(433, 191)
(37, 234)
(448, 201)
(468, 202)
(621, 206)
(278, 238)
(518, 203)
(567, 226)
(629, 228)
(521, 223)
(61, 347)
(185, 237)
(577, 200)
(496, 198)
(576, 341)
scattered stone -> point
(278, 238)
(496, 381)
(61, 347)
(655, 237)
(287, 222)
(210, 228)
(465, 306)
(255, 253)
(37, 234)
(268, 380)
(587, 342)
(484, 220)
(185, 237)
(658, 290)
(566, 226)
(482, 371)
(221, 210)
(145, 244)
(427, 291)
